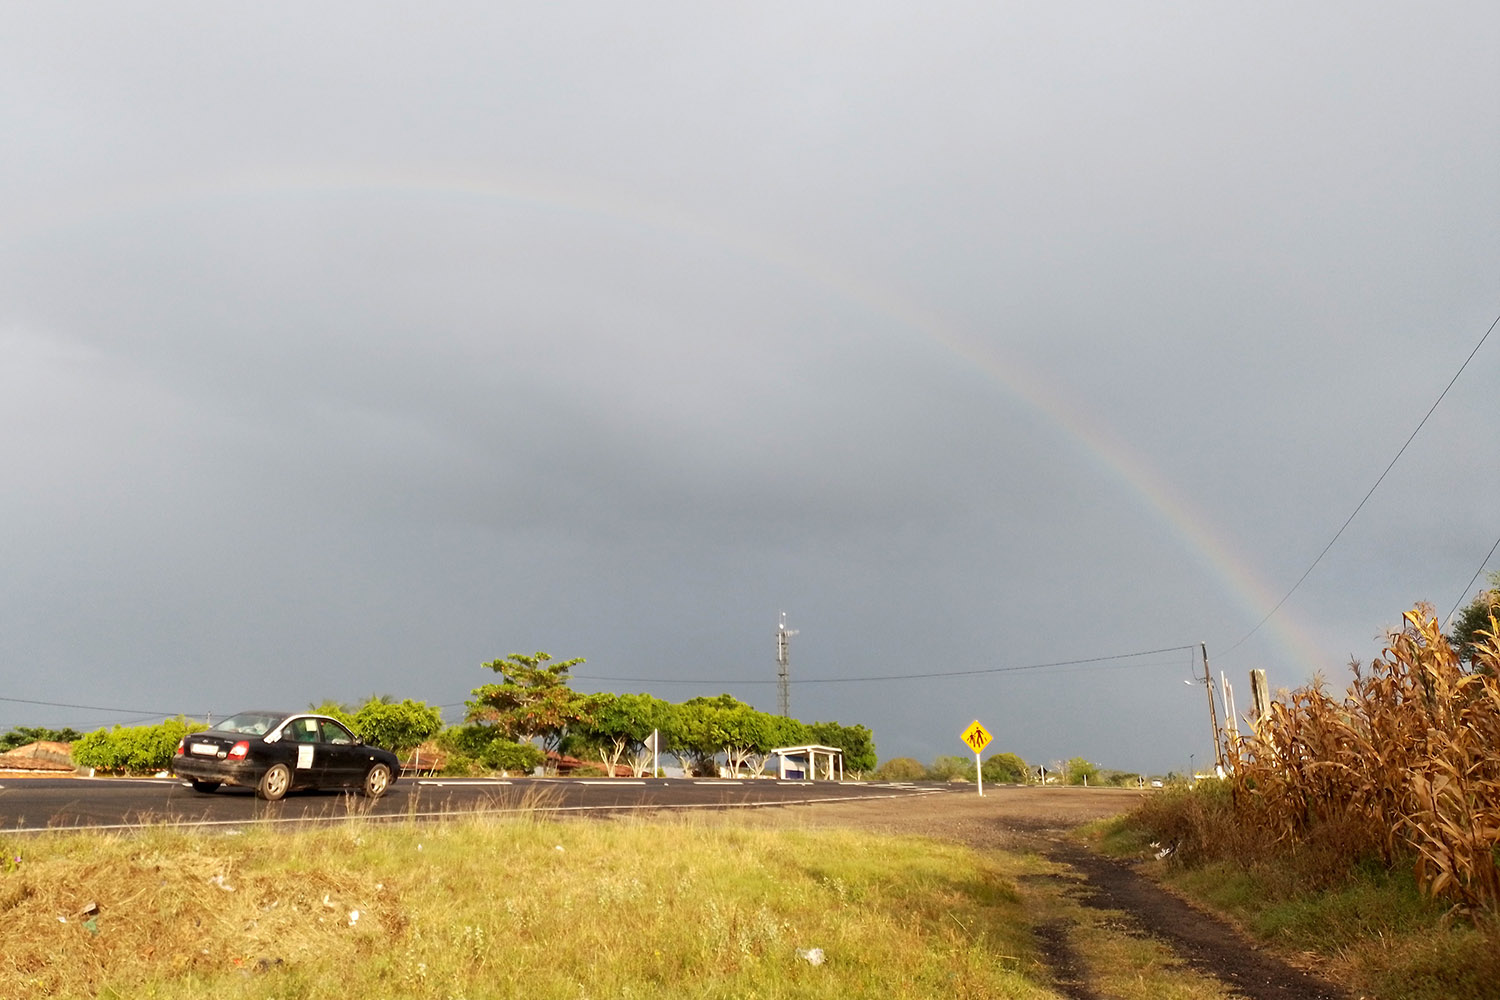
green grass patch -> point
(1117, 837)
(485, 908)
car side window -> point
(305, 730)
(335, 733)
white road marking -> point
(463, 782)
(609, 781)
(702, 781)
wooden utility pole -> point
(1213, 709)
(1260, 698)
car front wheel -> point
(377, 780)
(274, 783)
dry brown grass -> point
(1405, 764)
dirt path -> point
(1205, 942)
(1037, 819)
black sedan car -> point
(277, 752)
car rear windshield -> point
(249, 723)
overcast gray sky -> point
(343, 349)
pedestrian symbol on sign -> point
(976, 736)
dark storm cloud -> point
(346, 350)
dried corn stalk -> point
(1409, 761)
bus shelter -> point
(810, 763)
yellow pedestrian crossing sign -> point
(976, 736)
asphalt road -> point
(36, 804)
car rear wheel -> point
(274, 783)
(377, 780)
(206, 786)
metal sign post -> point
(977, 737)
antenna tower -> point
(783, 679)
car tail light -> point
(181, 745)
(238, 751)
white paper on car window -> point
(304, 755)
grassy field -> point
(489, 907)
(1362, 829)
(1363, 922)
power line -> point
(98, 708)
(1471, 582)
(892, 677)
(1307, 572)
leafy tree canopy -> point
(628, 717)
(398, 727)
(725, 702)
(534, 702)
(1081, 772)
(788, 732)
(617, 725)
(1474, 620)
(857, 742)
(1005, 768)
(335, 710)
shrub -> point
(505, 755)
(1005, 767)
(482, 746)
(479, 747)
(1082, 772)
(132, 749)
(397, 727)
(901, 769)
(467, 741)
(949, 768)
(1197, 824)
(458, 765)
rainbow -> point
(1113, 456)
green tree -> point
(533, 703)
(335, 710)
(398, 727)
(689, 736)
(1005, 768)
(857, 742)
(1478, 618)
(726, 725)
(901, 769)
(619, 724)
(780, 731)
(1081, 772)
